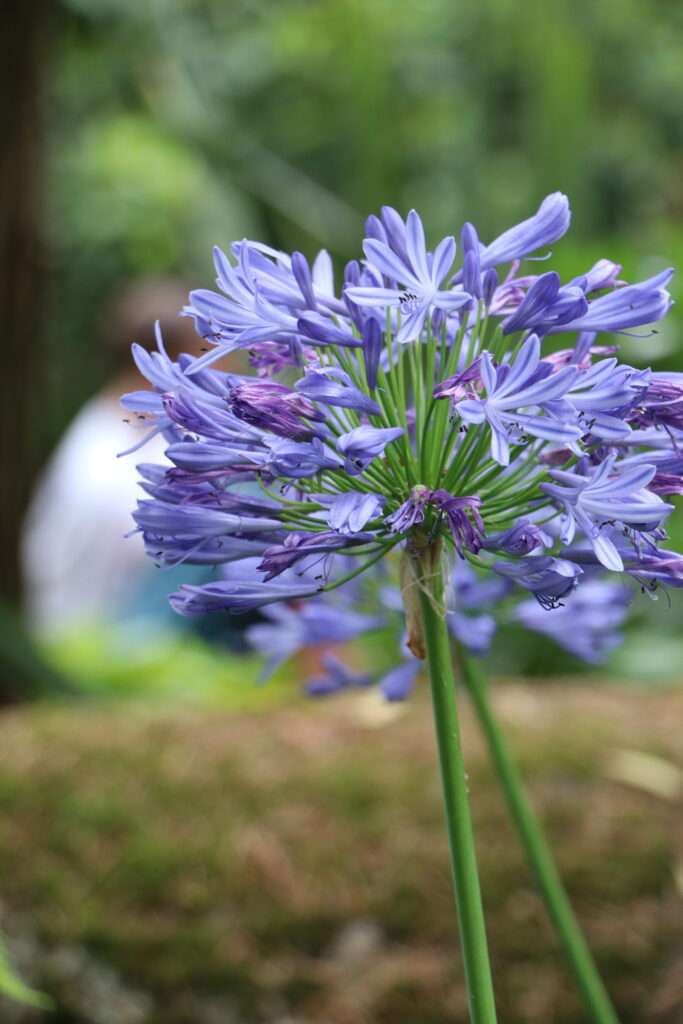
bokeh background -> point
(166, 859)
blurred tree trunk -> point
(23, 35)
(23, 26)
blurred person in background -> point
(79, 568)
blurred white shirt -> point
(78, 565)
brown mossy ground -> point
(194, 867)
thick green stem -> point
(429, 585)
(538, 852)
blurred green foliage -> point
(117, 661)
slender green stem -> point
(429, 584)
(538, 852)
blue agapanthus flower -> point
(420, 401)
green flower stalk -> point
(429, 584)
(576, 950)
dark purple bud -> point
(300, 545)
(411, 512)
(273, 407)
(323, 331)
(471, 279)
(464, 519)
(372, 349)
(666, 483)
(489, 283)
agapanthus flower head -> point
(418, 407)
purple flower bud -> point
(235, 596)
(548, 224)
(204, 456)
(546, 304)
(352, 272)
(302, 274)
(631, 306)
(362, 444)
(521, 539)
(471, 275)
(603, 274)
(334, 387)
(300, 545)
(489, 283)
(549, 579)
(372, 349)
(375, 229)
(323, 331)
(197, 520)
(471, 278)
